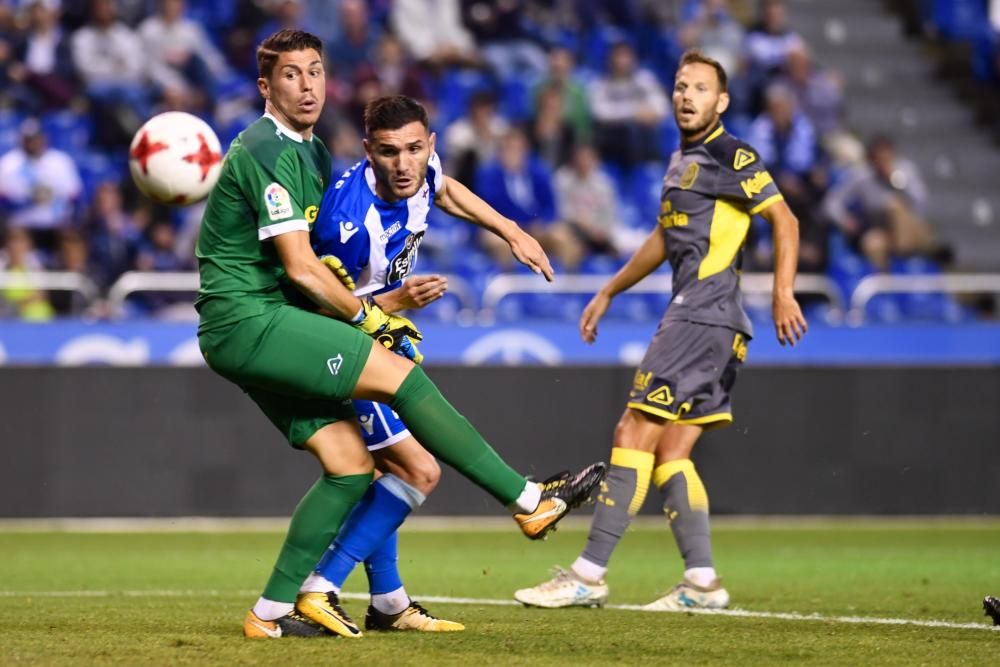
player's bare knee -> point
(637, 430)
(423, 475)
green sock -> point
(316, 520)
(449, 436)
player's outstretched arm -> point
(314, 278)
(416, 292)
(455, 199)
(789, 323)
(650, 255)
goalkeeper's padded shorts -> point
(299, 367)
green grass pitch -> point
(199, 585)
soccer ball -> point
(175, 158)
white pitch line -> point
(731, 613)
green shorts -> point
(299, 367)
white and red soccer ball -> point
(175, 158)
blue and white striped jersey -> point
(377, 241)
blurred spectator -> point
(628, 105)
(42, 59)
(562, 65)
(519, 186)
(281, 15)
(71, 255)
(880, 206)
(771, 40)
(181, 56)
(158, 251)
(552, 138)
(114, 235)
(11, 93)
(20, 299)
(345, 146)
(354, 45)
(387, 73)
(40, 185)
(767, 47)
(108, 55)
(717, 34)
(498, 28)
(433, 34)
(786, 141)
(473, 139)
(818, 92)
(587, 203)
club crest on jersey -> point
(347, 230)
(689, 176)
(277, 201)
(402, 264)
(743, 158)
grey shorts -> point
(688, 373)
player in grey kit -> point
(713, 185)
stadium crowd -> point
(558, 113)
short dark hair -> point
(692, 56)
(282, 42)
(393, 112)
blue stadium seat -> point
(10, 123)
(958, 19)
(96, 168)
(67, 131)
(597, 43)
(645, 185)
(515, 101)
(454, 91)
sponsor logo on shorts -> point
(641, 381)
(661, 396)
(277, 201)
(334, 364)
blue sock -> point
(383, 575)
(373, 521)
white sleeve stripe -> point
(269, 232)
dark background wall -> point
(170, 442)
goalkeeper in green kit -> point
(262, 292)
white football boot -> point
(687, 595)
(564, 590)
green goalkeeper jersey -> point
(272, 182)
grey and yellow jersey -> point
(710, 191)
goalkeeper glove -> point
(394, 332)
(334, 264)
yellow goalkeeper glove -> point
(334, 264)
(394, 332)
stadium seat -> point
(597, 43)
(644, 188)
(67, 131)
(454, 91)
(10, 122)
(516, 103)
(95, 168)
